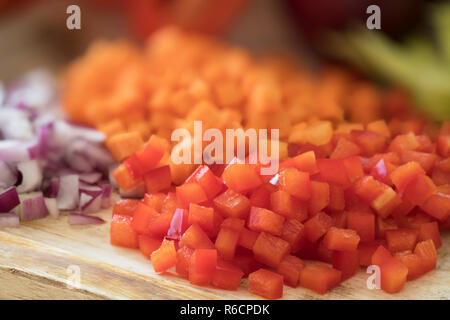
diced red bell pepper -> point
(245, 260)
(152, 153)
(290, 268)
(363, 223)
(233, 204)
(159, 225)
(196, 238)
(414, 220)
(319, 278)
(165, 257)
(403, 209)
(438, 206)
(305, 162)
(368, 189)
(125, 207)
(265, 220)
(430, 231)
(202, 266)
(341, 239)
(233, 224)
(190, 193)
(142, 217)
(226, 242)
(440, 177)
(154, 200)
(295, 182)
(419, 189)
(266, 284)
(339, 219)
(404, 174)
(134, 166)
(148, 244)
(381, 256)
(383, 225)
(333, 171)
(382, 171)
(347, 262)
(183, 257)
(158, 179)
(393, 275)
(124, 179)
(203, 216)
(386, 202)
(294, 233)
(367, 249)
(170, 203)
(344, 149)
(247, 238)
(241, 177)
(178, 225)
(227, 276)
(211, 184)
(413, 262)
(121, 232)
(401, 239)
(317, 226)
(337, 199)
(404, 142)
(282, 203)
(320, 197)
(260, 197)
(353, 168)
(427, 252)
(369, 142)
(443, 145)
(270, 249)
(426, 160)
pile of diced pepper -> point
(362, 198)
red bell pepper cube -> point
(124, 179)
(438, 206)
(270, 250)
(152, 152)
(381, 256)
(190, 193)
(196, 238)
(154, 200)
(317, 226)
(426, 160)
(247, 238)
(148, 244)
(347, 262)
(393, 275)
(290, 268)
(160, 224)
(386, 202)
(233, 224)
(427, 252)
(339, 219)
(419, 189)
(320, 197)
(363, 223)
(170, 203)
(382, 170)
(121, 232)
(295, 182)
(404, 142)
(367, 249)
(125, 207)
(178, 225)
(353, 168)
(227, 276)
(183, 257)
(241, 177)
(414, 220)
(211, 184)
(265, 220)
(404, 174)
(202, 266)
(294, 234)
(142, 217)
(401, 239)
(413, 262)
(443, 145)
(323, 253)
(266, 284)
(369, 142)
(333, 171)
(305, 162)
(337, 198)
(134, 166)
(383, 225)
(319, 278)
(245, 260)
(226, 242)
(341, 239)
(232, 204)
(368, 189)
(158, 179)
(282, 203)
(344, 149)
(260, 197)
(165, 257)
(430, 231)
(203, 216)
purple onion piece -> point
(7, 177)
(9, 199)
(68, 194)
(13, 151)
(31, 176)
(82, 219)
(106, 196)
(53, 188)
(90, 189)
(90, 204)
(52, 207)
(9, 220)
(33, 208)
(91, 177)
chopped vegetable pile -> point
(47, 164)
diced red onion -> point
(106, 196)
(65, 133)
(68, 195)
(33, 208)
(7, 176)
(79, 162)
(13, 151)
(90, 204)
(9, 220)
(79, 218)
(52, 207)
(90, 177)
(53, 188)
(9, 199)
(17, 128)
(90, 189)
(31, 176)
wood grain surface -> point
(36, 262)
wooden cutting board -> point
(38, 261)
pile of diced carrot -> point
(363, 197)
